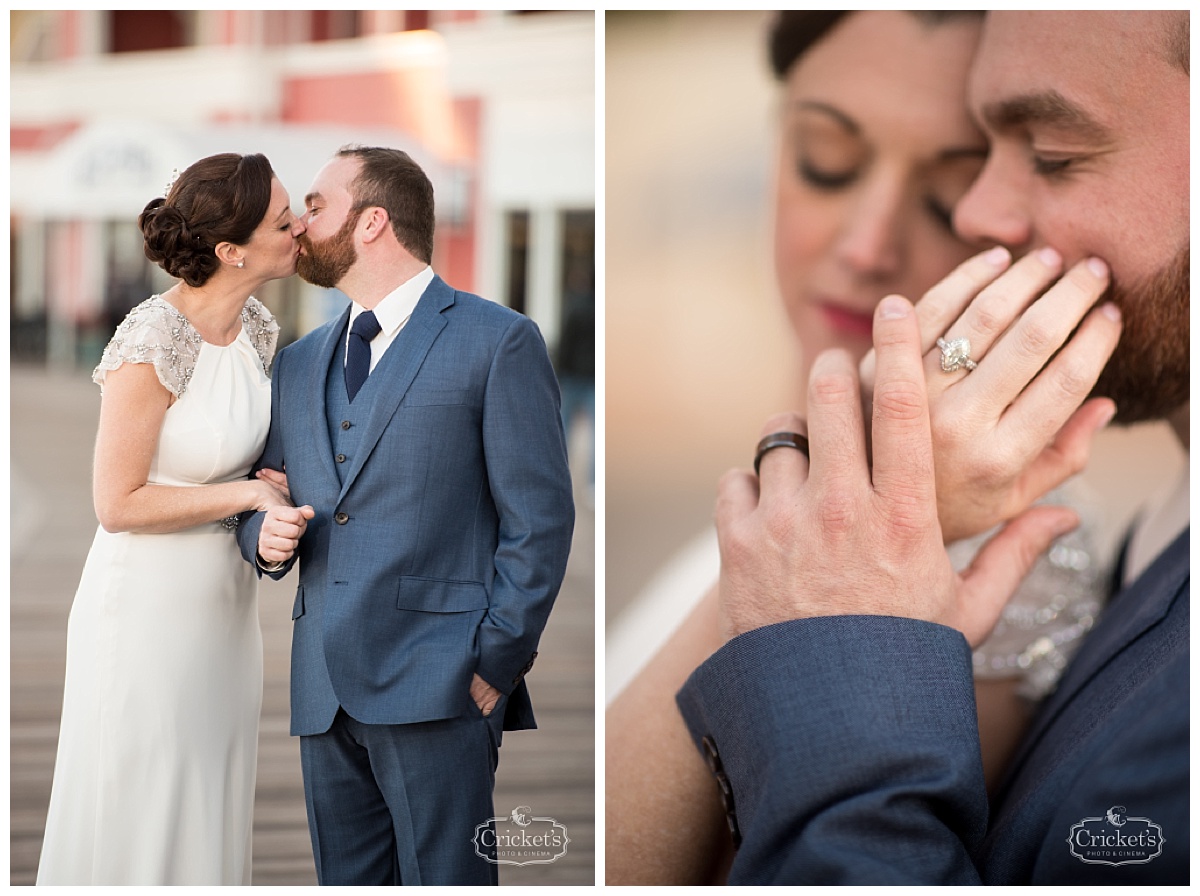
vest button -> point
(341, 518)
(345, 424)
(341, 458)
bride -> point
(154, 778)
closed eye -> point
(1044, 167)
(825, 180)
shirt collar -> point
(1168, 515)
(397, 306)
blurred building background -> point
(699, 351)
(697, 344)
(105, 104)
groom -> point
(423, 446)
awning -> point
(110, 170)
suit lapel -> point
(1129, 615)
(315, 419)
(399, 366)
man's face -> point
(1087, 114)
(327, 247)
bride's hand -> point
(1018, 425)
(277, 479)
(263, 495)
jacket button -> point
(345, 424)
(341, 458)
(713, 759)
(341, 518)
(525, 671)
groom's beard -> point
(1148, 375)
(326, 263)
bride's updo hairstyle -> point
(220, 199)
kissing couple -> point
(409, 455)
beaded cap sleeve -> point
(1047, 619)
(155, 332)
(263, 330)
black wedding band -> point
(779, 440)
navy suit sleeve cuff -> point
(828, 731)
(247, 535)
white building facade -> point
(498, 107)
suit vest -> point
(345, 419)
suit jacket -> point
(442, 551)
(848, 751)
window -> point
(335, 24)
(517, 243)
(137, 30)
(577, 336)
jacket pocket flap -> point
(440, 595)
(435, 397)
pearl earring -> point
(241, 264)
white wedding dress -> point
(154, 780)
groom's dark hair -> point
(391, 180)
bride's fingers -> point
(1045, 405)
(945, 302)
(993, 311)
(1019, 368)
(1003, 562)
(1067, 455)
(278, 480)
(273, 476)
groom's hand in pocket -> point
(484, 695)
(281, 532)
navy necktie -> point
(358, 355)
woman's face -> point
(272, 248)
(876, 150)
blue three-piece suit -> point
(442, 528)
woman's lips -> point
(844, 320)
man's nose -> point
(995, 209)
(300, 226)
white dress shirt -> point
(1167, 516)
(392, 312)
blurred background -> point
(498, 107)
(698, 350)
(696, 345)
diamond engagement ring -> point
(955, 354)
